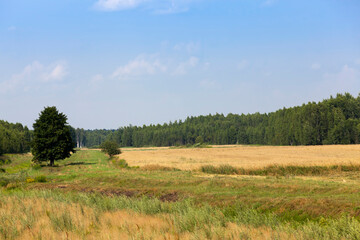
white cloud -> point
(57, 73)
(154, 6)
(243, 64)
(315, 66)
(113, 5)
(33, 74)
(174, 7)
(140, 66)
(183, 67)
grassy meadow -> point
(222, 192)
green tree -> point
(52, 140)
(199, 140)
(111, 148)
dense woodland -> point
(332, 121)
(14, 138)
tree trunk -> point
(52, 162)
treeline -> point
(14, 138)
(332, 121)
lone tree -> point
(52, 140)
(110, 147)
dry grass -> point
(43, 219)
(247, 157)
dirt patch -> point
(170, 197)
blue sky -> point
(111, 63)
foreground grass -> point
(181, 204)
(50, 214)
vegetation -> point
(87, 197)
(14, 138)
(332, 121)
(110, 148)
(276, 170)
(52, 139)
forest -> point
(14, 138)
(332, 121)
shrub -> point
(30, 180)
(36, 167)
(40, 178)
(4, 182)
(222, 169)
(121, 163)
(111, 148)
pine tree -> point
(52, 140)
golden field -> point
(247, 157)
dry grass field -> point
(89, 196)
(247, 157)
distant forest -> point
(14, 138)
(332, 121)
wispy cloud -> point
(208, 84)
(140, 66)
(33, 74)
(184, 67)
(346, 79)
(154, 6)
(190, 47)
(11, 28)
(115, 5)
(268, 3)
(315, 66)
(57, 73)
(243, 64)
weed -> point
(40, 178)
(120, 163)
(157, 167)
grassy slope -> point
(294, 199)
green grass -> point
(265, 197)
(185, 215)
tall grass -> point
(82, 215)
(278, 170)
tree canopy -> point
(111, 148)
(14, 138)
(52, 139)
(332, 121)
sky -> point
(111, 63)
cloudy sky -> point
(111, 63)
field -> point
(244, 156)
(169, 193)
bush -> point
(30, 180)
(111, 148)
(40, 178)
(36, 167)
(222, 169)
(121, 163)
